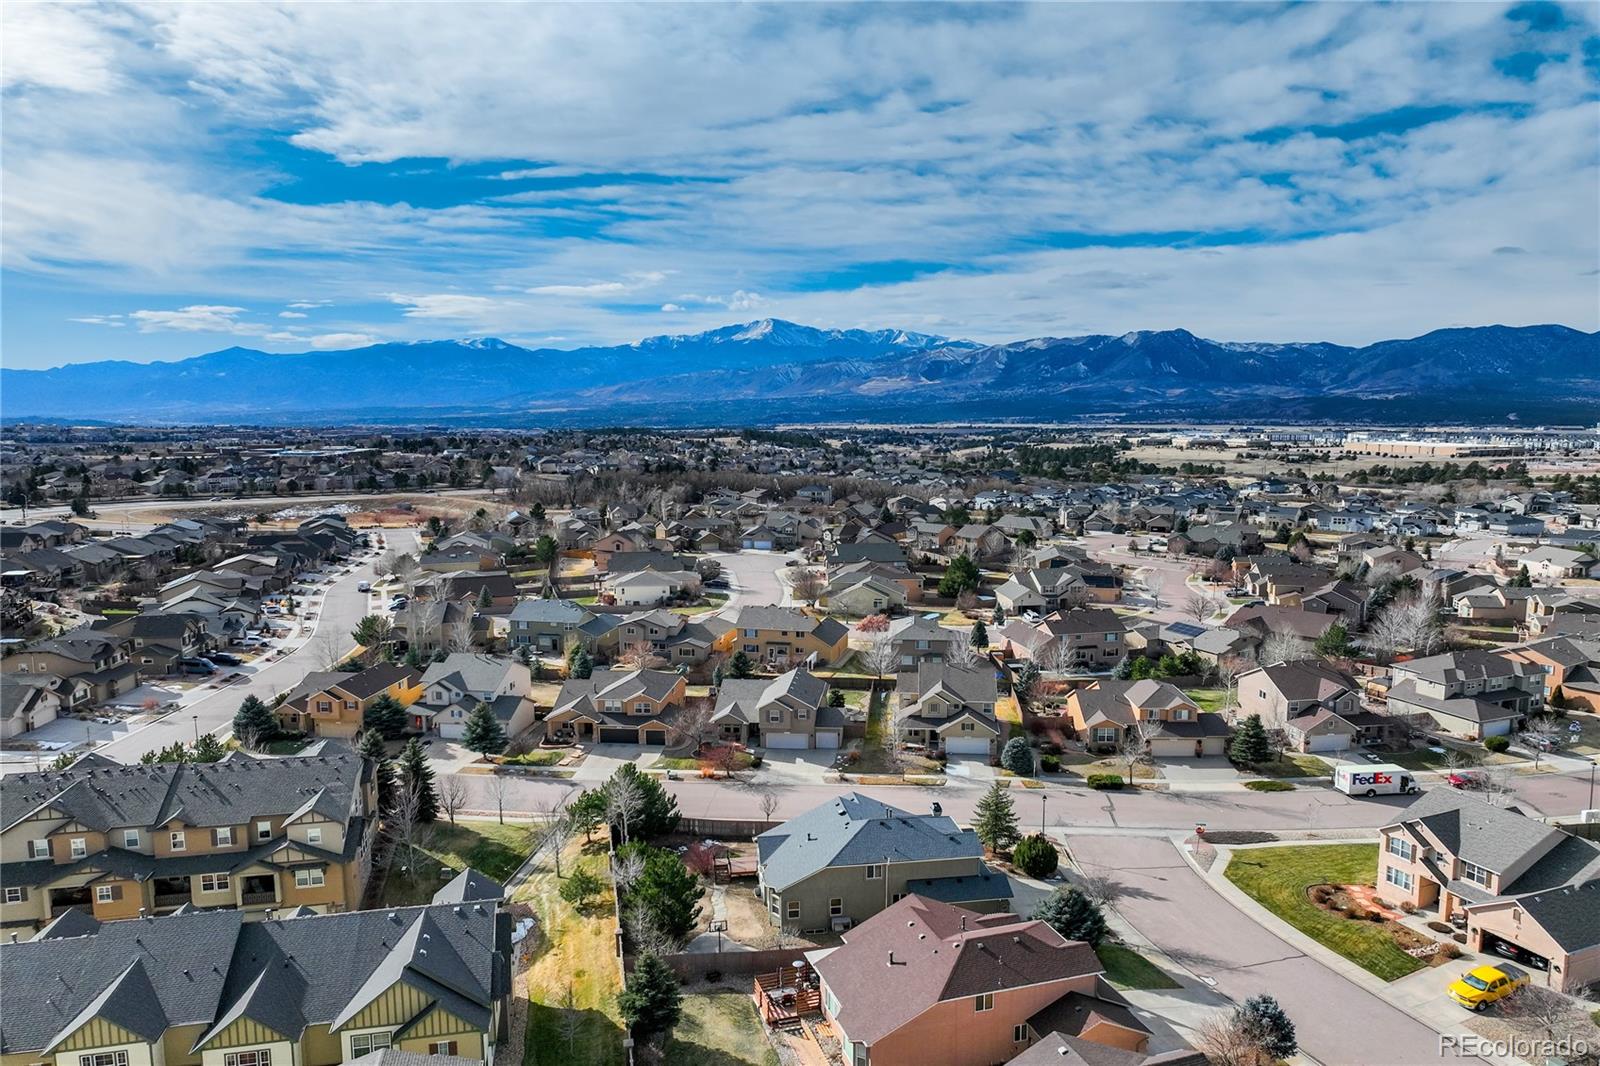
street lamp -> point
(196, 728)
(1043, 798)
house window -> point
(367, 1043)
(309, 877)
(897, 897)
(176, 842)
(224, 836)
(835, 907)
(13, 894)
(983, 1002)
(247, 1058)
(1401, 847)
(324, 706)
(793, 909)
(1019, 1033)
(1180, 715)
(104, 1058)
(38, 849)
(130, 838)
(1397, 877)
(80, 847)
(875, 872)
(213, 882)
(1105, 736)
(442, 1047)
(263, 830)
(966, 727)
(104, 894)
(801, 713)
(1478, 875)
(314, 835)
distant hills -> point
(771, 370)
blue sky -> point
(180, 178)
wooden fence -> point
(725, 828)
(690, 966)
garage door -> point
(1171, 748)
(967, 745)
(827, 740)
(655, 737)
(1329, 742)
(788, 740)
(1494, 944)
(1497, 729)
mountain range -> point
(771, 370)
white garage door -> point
(827, 740)
(967, 745)
(1497, 729)
(1329, 742)
(1171, 748)
(787, 740)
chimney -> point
(963, 923)
(891, 957)
(938, 808)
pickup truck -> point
(1477, 988)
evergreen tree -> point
(208, 749)
(485, 600)
(483, 733)
(371, 746)
(1250, 744)
(1265, 1024)
(413, 658)
(581, 666)
(1036, 856)
(999, 615)
(1017, 757)
(960, 576)
(1334, 643)
(666, 889)
(386, 716)
(416, 776)
(1523, 580)
(1027, 676)
(980, 634)
(836, 697)
(254, 722)
(651, 1003)
(739, 665)
(657, 812)
(995, 819)
(588, 811)
(1073, 915)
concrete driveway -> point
(974, 768)
(604, 759)
(1339, 1023)
(786, 766)
(1204, 772)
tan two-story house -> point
(788, 711)
(776, 638)
(332, 703)
(620, 707)
(948, 708)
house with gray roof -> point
(307, 989)
(620, 707)
(1527, 889)
(947, 707)
(788, 711)
(452, 690)
(840, 863)
(545, 626)
(1474, 694)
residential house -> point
(1490, 604)
(1472, 694)
(1318, 707)
(546, 626)
(1572, 669)
(680, 640)
(946, 707)
(28, 702)
(161, 639)
(1215, 539)
(839, 864)
(788, 711)
(779, 637)
(205, 988)
(1046, 590)
(1551, 563)
(101, 661)
(1519, 881)
(1086, 638)
(620, 707)
(333, 703)
(1106, 711)
(243, 832)
(981, 541)
(453, 688)
(919, 639)
(926, 983)
(649, 588)
(434, 625)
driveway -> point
(1205, 772)
(1338, 1021)
(974, 768)
(604, 759)
(796, 766)
(753, 578)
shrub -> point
(1269, 786)
(1017, 757)
(1050, 764)
(1376, 916)
(1357, 913)
(1035, 856)
(1105, 782)
(1459, 938)
(1408, 907)
(1496, 744)
(1321, 894)
(1450, 951)
(1440, 927)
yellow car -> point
(1478, 988)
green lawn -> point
(574, 978)
(719, 1028)
(1207, 699)
(1126, 968)
(1424, 759)
(489, 847)
(1278, 878)
(1294, 764)
(538, 758)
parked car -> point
(1478, 988)
(1507, 950)
(1467, 780)
(200, 667)
(222, 658)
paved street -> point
(753, 578)
(1338, 1022)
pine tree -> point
(1334, 643)
(413, 658)
(999, 615)
(1073, 915)
(254, 722)
(483, 733)
(581, 666)
(995, 819)
(208, 749)
(1017, 757)
(980, 634)
(371, 745)
(417, 776)
(960, 576)
(1265, 1024)
(739, 665)
(651, 1003)
(836, 697)
(485, 600)
(385, 715)
(1250, 744)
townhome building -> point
(839, 864)
(1530, 887)
(949, 708)
(205, 988)
(1473, 694)
(100, 664)
(788, 711)
(254, 834)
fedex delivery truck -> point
(1379, 779)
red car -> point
(1465, 781)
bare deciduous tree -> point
(404, 826)
(881, 656)
(1228, 669)
(499, 785)
(1554, 1015)
(1199, 605)
(1410, 623)
(769, 803)
(452, 793)
(623, 800)
(1134, 746)
(1224, 1042)
(808, 586)
(1280, 647)
(963, 652)
(1063, 657)
(640, 656)
(552, 828)
(625, 870)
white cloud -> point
(447, 305)
(334, 341)
(599, 288)
(196, 318)
(306, 305)
(100, 320)
(290, 314)
(671, 308)
(55, 47)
